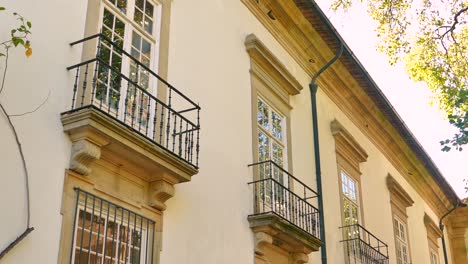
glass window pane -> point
(138, 17)
(122, 6)
(119, 27)
(277, 129)
(263, 147)
(149, 25)
(139, 4)
(262, 114)
(136, 40)
(149, 9)
(108, 19)
(146, 48)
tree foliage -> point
(19, 36)
(431, 37)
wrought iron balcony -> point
(278, 193)
(361, 246)
(125, 89)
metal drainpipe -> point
(313, 96)
(441, 227)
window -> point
(433, 236)
(399, 201)
(131, 26)
(349, 189)
(401, 241)
(106, 233)
(271, 136)
(272, 146)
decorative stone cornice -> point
(265, 65)
(346, 146)
(398, 195)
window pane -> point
(136, 40)
(146, 48)
(139, 4)
(148, 25)
(138, 17)
(108, 19)
(149, 10)
(262, 114)
(277, 129)
(263, 147)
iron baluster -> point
(141, 112)
(148, 115)
(161, 131)
(85, 84)
(180, 138)
(134, 99)
(198, 137)
(155, 119)
(75, 88)
(174, 131)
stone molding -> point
(303, 42)
(96, 136)
(270, 230)
(346, 146)
(83, 153)
(398, 195)
(433, 231)
(265, 65)
(160, 192)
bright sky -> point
(410, 99)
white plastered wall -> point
(206, 221)
(54, 24)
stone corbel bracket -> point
(83, 153)
(159, 192)
(262, 240)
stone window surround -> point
(349, 155)
(399, 201)
(433, 235)
(272, 82)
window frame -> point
(83, 205)
(93, 25)
(399, 241)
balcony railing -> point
(361, 246)
(127, 90)
(277, 191)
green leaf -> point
(2, 8)
(29, 24)
(17, 41)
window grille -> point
(106, 233)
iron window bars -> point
(105, 233)
(277, 191)
(361, 246)
(127, 98)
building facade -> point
(193, 132)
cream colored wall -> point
(206, 221)
(54, 25)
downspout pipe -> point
(441, 227)
(318, 174)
